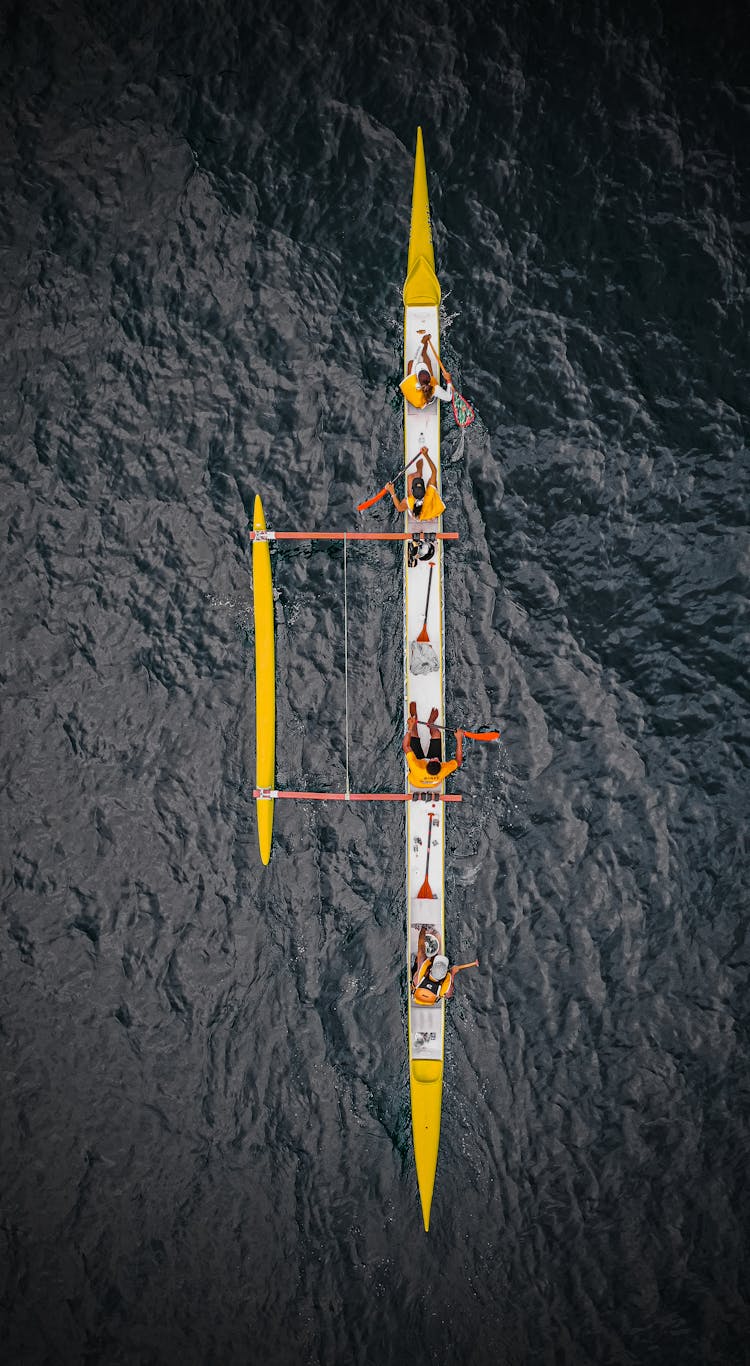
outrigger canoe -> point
(424, 656)
(423, 614)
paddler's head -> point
(433, 767)
(439, 967)
(417, 489)
(425, 383)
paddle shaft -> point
(376, 499)
(470, 411)
(444, 372)
(425, 891)
(423, 634)
(470, 734)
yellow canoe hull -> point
(421, 300)
(426, 1078)
(265, 682)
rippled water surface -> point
(205, 1142)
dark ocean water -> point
(205, 1147)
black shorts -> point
(434, 749)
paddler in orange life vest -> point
(420, 386)
(434, 979)
(428, 770)
(422, 500)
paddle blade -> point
(425, 892)
(482, 734)
(423, 636)
(462, 411)
(371, 501)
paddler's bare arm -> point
(433, 467)
(411, 729)
(400, 504)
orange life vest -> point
(418, 775)
(413, 394)
(425, 991)
(432, 504)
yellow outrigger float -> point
(423, 610)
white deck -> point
(422, 428)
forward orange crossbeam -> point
(267, 793)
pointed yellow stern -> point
(426, 1104)
(421, 285)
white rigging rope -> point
(346, 671)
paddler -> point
(420, 386)
(422, 500)
(434, 978)
(428, 770)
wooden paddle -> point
(470, 734)
(425, 892)
(370, 502)
(423, 634)
(462, 409)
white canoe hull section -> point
(422, 428)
